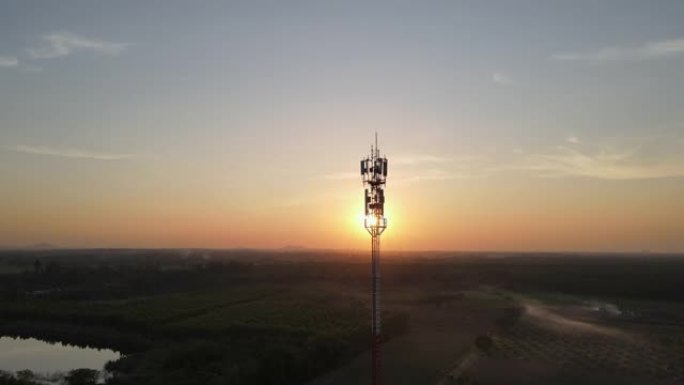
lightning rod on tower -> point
(374, 175)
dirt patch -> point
(547, 318)
(551, 346)
(496, 371)
(441, 334)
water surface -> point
(40, 356)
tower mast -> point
(374, 174)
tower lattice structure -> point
(374, 175)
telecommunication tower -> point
(374, 174)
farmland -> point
(585, 341)
(256, 317)
(212, 323)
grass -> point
(219, 310)
(287, 312)
(12, 269)
(256, 333)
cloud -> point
(30, 68)
(69, 153)
(635, 159)
(342, 176)
(437, 175)
(9, 61)
(572, 139)
(418, 159)
(652, 50)
(605, 164)
(501, 78)
(432, 168)
(59, 44)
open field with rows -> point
(570, 343)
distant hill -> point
(41, 246)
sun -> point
(370, 221)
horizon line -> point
(290, 249)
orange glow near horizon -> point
(468, 216)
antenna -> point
(374, 176)
(376, 142)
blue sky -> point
(158, 107)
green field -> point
(259, 318)
(244, 328)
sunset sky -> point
(508, 125)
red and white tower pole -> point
(374, 173)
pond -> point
(42, 357)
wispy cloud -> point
(652, 50)
(437, 175)
(605, 164)
(342, 176)
(419, 159)
(59, 44)
(502, 78)
(9, 61)
(30, 68)
(69, 153)
(633, 159)
(405, 168)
